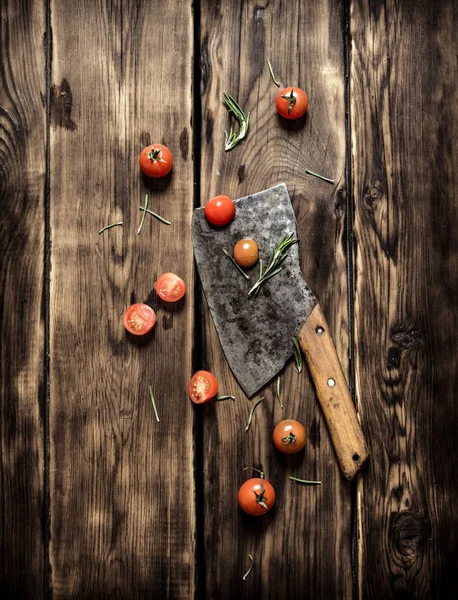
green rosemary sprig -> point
(234, 137)
(250, 418)
(272, 74)
(319, 176)
(250, 569)
(235, 264)
(277, 256)
(150, 212)
(145, 208)
(110, 226)
(297, 355)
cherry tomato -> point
(220, 211)
(202, 387)
(291, 103)
(246, 253)
(170, 287)
(289, 436)
(156, 160)
(139, 319)
(256, 496)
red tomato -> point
(202, 387)
(156, 160)
(170, 287)
(289, 436)
(256, 496)
(291, 103)
(139, 319)
(246, 253)
(220, 211)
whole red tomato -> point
(256, 496)
(220, 211)
(156, 160)
(291, 103)
(289, 436)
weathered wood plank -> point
(122, 490)
(302, 548)
(404, 139)
(22, 234)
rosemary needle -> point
(235, 264)
(145, 208)
(250, 569)
(319, 176)
(297, 480)
(219, 398)
(250, 418)
(297, 355)
(110, 226)
(153, 403)
(272, 74)
(277, 256)
(279, 391)
(150, 212)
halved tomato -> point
(139, 319)
(202, 387)
(170, 287)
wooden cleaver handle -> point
(333, 393)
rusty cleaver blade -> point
(256, 332)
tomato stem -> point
(154, 155)
(297, 480)
(261, 499)
(145, 208)
(319, 176)
(110, 226)
(153, 403)
(272, 74)
(261, 473)
(252, 411)
(250, 569)
(289, 439)
(291, 100)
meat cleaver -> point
(256, 331)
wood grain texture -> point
(302, 547)
(333, 393)
(404, 103)
(22, 234)
(122, 487)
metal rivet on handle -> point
(319, 330)
(331, 382)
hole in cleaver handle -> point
(333, 393)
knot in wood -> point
(409, 534)
(374, 194)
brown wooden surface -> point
(405, 153)
(98, 500)
(22, 306)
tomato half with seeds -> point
(156, 160)
(256, 496)
(170, 287)
(139, 319)
(289, 436)
(202, 387)
(220, 211)
(292, 102)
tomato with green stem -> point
(156, 160)
(219, 211)
(139, 319)
(256, 496)
(170, 287)
(202, 387)
(289, 436)
(292, 102)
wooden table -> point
(98, 499)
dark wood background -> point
(98, 500)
